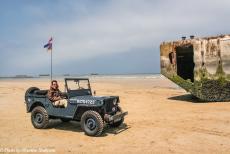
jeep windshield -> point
(78, 87)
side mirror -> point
(94, 92)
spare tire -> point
(29, 91)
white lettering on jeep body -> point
(82, 101)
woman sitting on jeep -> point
(56, 96)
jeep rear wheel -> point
(92, 123)
(39, 117)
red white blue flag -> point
(49, 44)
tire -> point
(118, 123)
(30, 91)
(65, 120)
(39, 117)
(92, 123)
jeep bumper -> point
(114, 118)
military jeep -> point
(93, 112)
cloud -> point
(85, 30)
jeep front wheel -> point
(39, 117)
(92, 123)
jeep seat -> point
(41, 92)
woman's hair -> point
(53, 82)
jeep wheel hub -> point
(38, 118)
(91, 124)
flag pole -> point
(51, 65)
(50, 48)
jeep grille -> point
(109, 106)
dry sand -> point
(162, 119)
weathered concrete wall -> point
(211, 70)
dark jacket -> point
(55, 95)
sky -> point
(100, 36)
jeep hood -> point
(90, 100)
(89, 97)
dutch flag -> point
(49, 44)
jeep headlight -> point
(115, 102)
(114, 109)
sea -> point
(90, 76)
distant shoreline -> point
(15, 77)
(137, 75)
(91, 74)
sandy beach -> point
(163, 118)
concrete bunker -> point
(199, 65)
